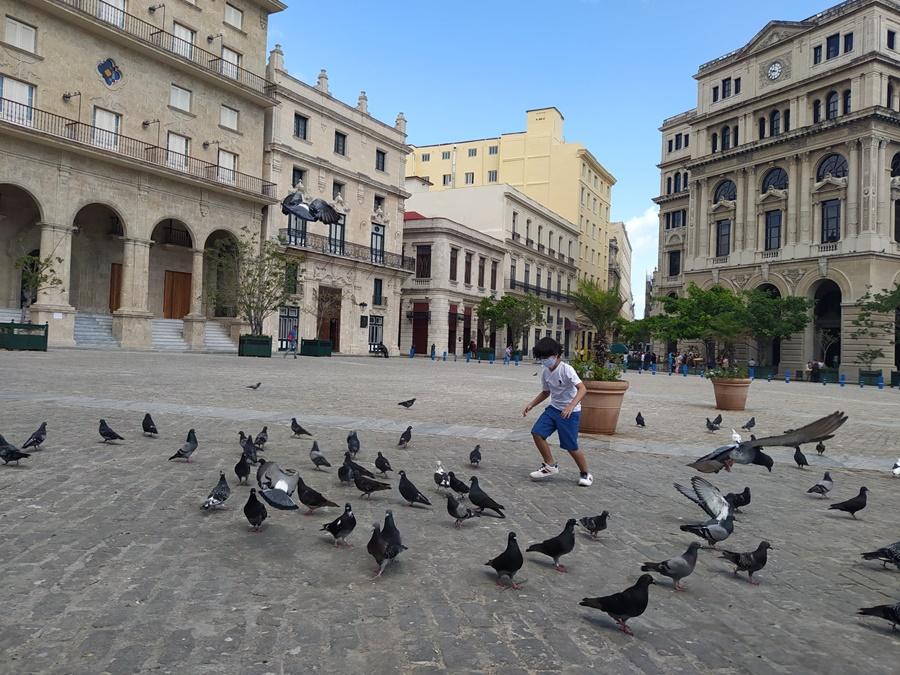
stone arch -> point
(28, 192)
(723, 282)
(170, 269)
(219, 270)
(809, 280)
(827, 318)
(115, 210)
(776, 280)
(97, 258)
(20, 211)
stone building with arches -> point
(786, 176)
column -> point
(805, 221)
(794, 184)
(131, 322)
(751, 221)
(438, 326)
(870, 186)
(739, 222)
(853, 188)
(195, 321)
(52, 306)
(883, 193)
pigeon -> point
(318, 459)
(712, 530)
(737, 500)
(382, 464)
(255, 511)
(441, 478)
(410, 492)
(711, 427)
(277, 486)
(408, 403)
(316, 210)
(382, 550)
(389, 531)
(311, 498)
(639, 420)
(888, 554)
(508, 563)
(405, 438)
(367, 485)
(262, 438)
(297, 429)
(479, 498)
(242, 469)
(248, 446)
(357, 469)
(187, 449)
(594, 524)
(717, 420)
(219, 493)
(823, 487)
(254, 387)
(558, 546)
(457, 511)
(457, 485)
(475, 456)
(37, 438)
(854, 504)
(895, 470)
(735, 437)
(353, 443)
(149, 426)
(708, 497)
(628, 604)
(800, 458)
(10, 453)
(888, 612)
(750, 562)
(749, 424)
(676, 568)
(341, 527)
(108, 434)
(345, 473)
(820, 448)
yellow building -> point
(564, 177)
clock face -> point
(775, 70)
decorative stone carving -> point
(724, 205)
(786, 62)
(321, 180)
(740, 280)
(829, 182)
(823, 266)
(793, 275)
(322, 81)
(362, 103)
(715, 275)
(264, 20)
(339, 205)
(400, 123)
(773, 194)
(360, 193)
(764, 271)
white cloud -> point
(643, 233)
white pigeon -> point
(735, 436)
(896, 469)
(441, 477)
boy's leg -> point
(545, 425)
(580, 459)
(543, 447)
(568, 440)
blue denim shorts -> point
(552, 420)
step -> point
(168, 335)
(10, 315)
(216, 338)
(94, 330)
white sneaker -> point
(585, 481)
(546, 471)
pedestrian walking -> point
(291, 343)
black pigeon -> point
(219, 493)
(750, 562)
(311, 498)
(382, 464)
(318, 459)
(10, 453)
(149, 426)
(457, 485)
(441, 478)
(316, 210)
(480, 498)
(255, 511)
(800, 458)
(254, 386)
(457, 511)
(823, 487)
(738, 500)
(410, 492)
(594, 524)
(887, 612)
(345, 473)
(382, 550)
(248, 448)
(475, 456)
(718, 419)
(820, 448)
(262, 438)
(242, 469)
(37, 438)
(676, 568)
(558, 546)
(389, 530)
(508, 563)
(749, 424)
(108, 434)
(341, 527)
(187, 448)
(297, 429)
(357, 469)
(711, 426)
(639, 420)
(851, 506)
(352, 443)
(628, 604)
(888, 554)
(408, 403)
(405, 438)
(367, 485)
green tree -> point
(602, 309)
(876, 320)
(771, 316)
(514, 312)
(38, 274)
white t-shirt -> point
(562, 383)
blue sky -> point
(466, 69)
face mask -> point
(549, 363)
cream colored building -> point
(620, 266)
(786, 175)
(130, 141)
(351, 273)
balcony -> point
(541, 248)
(39, 123)
(529, 242)
(829, 247)
(551, 252)
(421, 282)
(769, 255)
(516, 236)
(317, 243)
(100, 13)
(561, 256)
(719, 260)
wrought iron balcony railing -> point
(300, 238)
(73, 132)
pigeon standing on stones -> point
(345, 473)
(262, 438)
(255, 511)
(408, 403)
(480, 498)
(382, 464)
(712, 530)
(405, 438)
(457, 511)
(750, 562)
(357, 469)
(823, 487)
(37, 438)
(475, 456)
(353, 443)
(800, 458)
(628, 604)
(297, 429)
(888, 554)
(108, 434)
(676, 568)
(367, 485)
(820, 448)
(318, 459)
(508, 563)
(749, 424)
(639, 420)
(242, 469)
(854, 504)
(341, 527)
(149, 426)
(594, 524)
(254, 387)
(311, 498)
(558, 546)
(887, 612)
(248, 448)
(187, 449)
(382, 550)
(10, 453)
(457, 485)
(738, 500)
(219, 493)
(711, 427)
(410, 492)
(441, 479)
(895, 470)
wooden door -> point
(176, 295)
(115, 287)
(420, 328)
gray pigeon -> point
(297, 429)
(887, 612)
(37, 438)
(676, 568)
(708, 497)
(318, 459)
(353, 443)
(888, 554)
(457, 511)
(823, 487)
(594, 524)
(187, 449)
(405, 438)
(219, 493)
(712, 530)
(750, 562)
(107, 434)
(262, 438)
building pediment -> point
(829, 182)
(773, 195)
(773, 33)
(724, 205)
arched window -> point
(890, 96)
(895, 165)
(678, 182)
(835, 165)
(774, 123)
(669, 185)
(786, 116)
(831, 105)
(847, 106)
(715, 142)
(726, 138)
(726, 190)
(734, 136)
(817, 111)
(775, 178)
(684, 180)
(762, 127)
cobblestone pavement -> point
(111, 566)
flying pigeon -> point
(823, 487)
(895, 470)
(888, 554)
(800, 458)
(410, 492)
(408, 403)
(149, 426)
(820, 448)
(457, 511)
(457, 485)
(888, 612)
(737, 500)
(187, 449)
(310, 498)
(353, 443)
(277, 485)
(108, 434)
(341, 527)
(508, 563)
(441, 478)
(382, 464)
(558, 546)
(628, 604)
(262, 438)
(367, 485)
(242, 469)
(405, 438)
(480, 498)
(749, 424)
(854, 504)
(255, 511)
(712, 530)
(37, 438)
(750, 562)
(294, 204)
(254, 387)
(10, 453)
(345, 473)
(594, 524)
(475, 456)
(318, 459)
(297, 429)
(219, 493)
(382, 550)
(717, 420)
(639, 420)
(708, 497)
(711, 427)
(357, 469)
(676, 568)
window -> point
(380, 160)
(715, 94)
(817, 111)
(684, 184)
(726, 190)
(378, 204)
(726, 138)
(183, 44)
(298, 175)
(180, 98)
(831, 105)
(678, 141)
(467, 268)
(481, 267)
(515, 220)
(845, 110)
(891, 39)
(423, 262)
(177, 147)
(445, 154)
(492, 176)
(674, 263)
(687, 137)
(227, 166)
(726, 87)
(762, 127)
(890, 96)
(895, 165)
(17, 107)
(234, 16)
(301, 124)
(105, 132)
(897, 221)
(832, 46)
(493, 149)
(337, 189)
(737, 86)
(537, 284)
(774, 123)
(776, 178)
(291, 271)
(670, 145)
(377, 287)
(848, 42)
(817, 54)
(786, 116)
(340, 143)
(231, 62)
(734, 136)
(336, 233)
(669, 185)
(376, 244)
(832, 165)
(445, 179)
(454, 263)
(470, 178)
(723, 237)
(21, 35)
(473, 152)
(773, 230)
(112, 12)
(678, 182)
(426, 156)
(228, 117)
(715, 141)
(831, 220)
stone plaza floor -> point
(110, 566)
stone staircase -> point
(168, 335)
(10, 315)
(94, 331)
(216, 338)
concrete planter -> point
(731, 394)
(601, 405)
(255, 345)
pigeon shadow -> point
(600, 622)
(878, 627)
(23, 467)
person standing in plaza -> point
(561, 384)
(291, 343)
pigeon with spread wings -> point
(317, 209)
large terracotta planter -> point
(731, 394)
(601, 405)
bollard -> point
(517, 360)
(454, 357)
(468, 354)
(787, 376)
(445, 357)
(824, 379)
(861, 383)
(670, 372)
(412, 352)
(491, 358)
(653, 369)
(881, 381)
(751, 371)
(842, 379)
(505, 360)
(433, 355)
(770, 377)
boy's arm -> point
(535, 402)
(582, 390)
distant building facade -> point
(620, 266)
